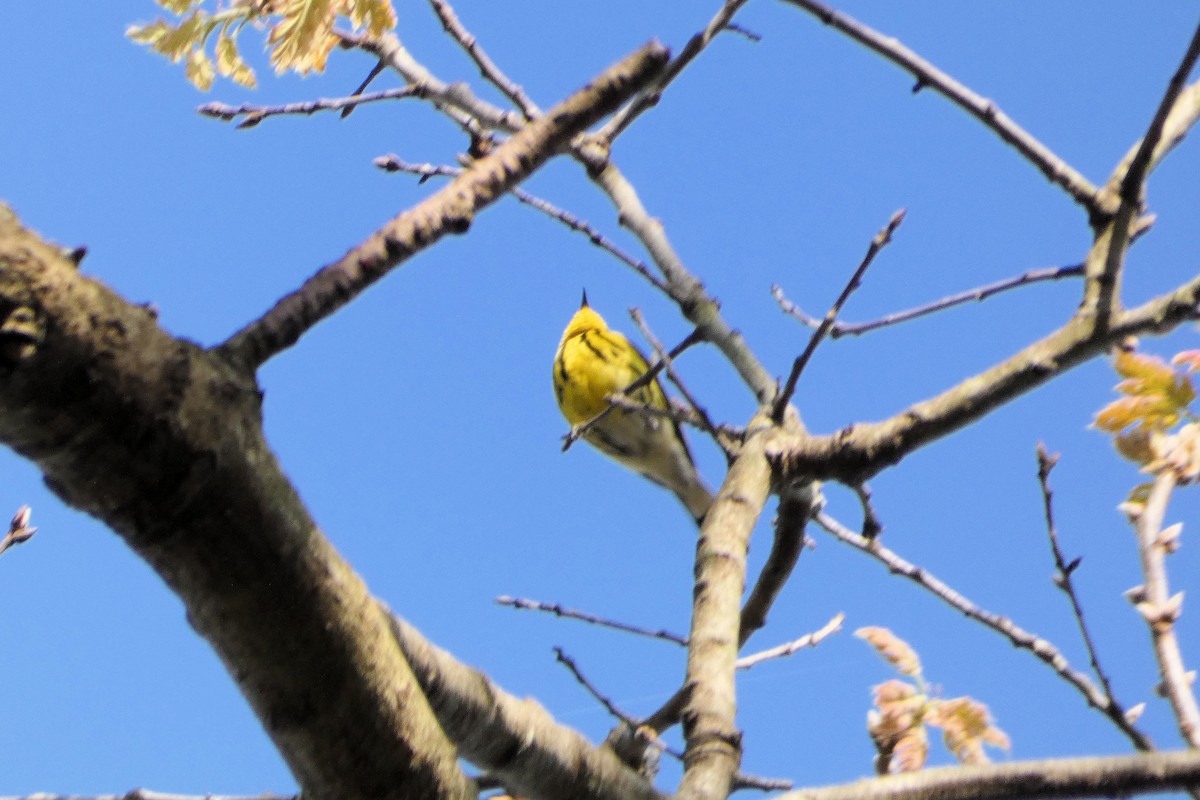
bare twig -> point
(570, 613)
(611, 707)
(807, 640)
(254, 114)
(650, 97)
(19, 530)
(1044, 650)
(491, 73)
(881, 240)
(1159, 608)
(1062, 580)
(393, 163)
(840, 329)
(871, 526)
(1051, 165)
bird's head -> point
(585, 319)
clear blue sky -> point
(419, 424)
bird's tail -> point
(696, 497)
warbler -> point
(594, 361)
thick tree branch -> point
(450, 210)
(713, 741)
(163, 443)
(515, 740)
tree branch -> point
(163, 443)
(1160, 609)
(855, 454)
(515, 740)
(1055, 169)
(1043, 649)
(450, 210)
(713, 742)
(1097, 776)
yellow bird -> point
(594, 361)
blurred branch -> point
(840, 329)
(1148, 152)
(146, 794)
(881, 240)
(1062, 579)
(1094, 776)
(491, 73)
(807, 640)
(19, 531)
(1044, 650)
(570, 613)
(450, 210)
(1158, 607)
(255, 114)
(515, 740)
(986, 111)
(1122, 195)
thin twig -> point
(650, 96)
(1159, 608)
(393, 163)
(1062, 580)
(1050, 164)
(1044, 650)
(807, 640)
(491, 73)
(570, 613)
(840, 329)
(646, 737)
(881, 240)
(255, 114)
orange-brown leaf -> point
(893, 649)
